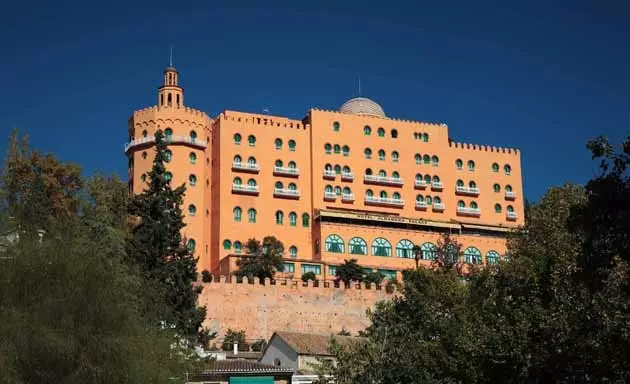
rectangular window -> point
(289, 267)
(316, 269)
(388, 273)
(332, 270)
(367, 270)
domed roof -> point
(362, 106)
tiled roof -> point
(242, 366)
(314, 343)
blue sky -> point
(527, 74)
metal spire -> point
(170, 57)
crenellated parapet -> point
(262, 120)
(405, 121)
(292, 284)
(483, 148)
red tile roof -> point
(314, 343)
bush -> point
(206, 277)
(374, 278)
(309, 276)
(232, 337)
(258, 345)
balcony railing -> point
(248, 189)
(373, 179)
(383, 201)
(348, 176)
(330, 195)
(472, 191)
(329, 174)
(246, 167)
(169, 139)
(438, 207)
(420, 184)
(347, 197)
(437, 186)
(283, 192)
(286, 171)
(509, 195)
(511, 215)
(421, 205)
(468, 211)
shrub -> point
(206, 277)
(309, 276)
(258, 345)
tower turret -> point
(170, 94)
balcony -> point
(437, 186)
(438, 207)
(509, 195)
(466, 211)
(420, 184)
(245, 189)
(330, 196)
(347, 197)
(245, 167)
(511, 215)
(421, 205)
(187, 140)
(383, 180)
(286, 171)
(347, 176)
(286, 193)
(374, 200)
(330, 174)
(468, 191)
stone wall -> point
(287, 305)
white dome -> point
(362, 106)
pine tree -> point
(158, 248)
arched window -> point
(428, 200)
(473, 205)
(293, 252)
(278, 185)
(472, 184)
(381, 247)
(394, 134)
(495, 167)
(418, 159)
(168, 176)
(510, 208)
(192, 210)
(237, 181)
(346, 150)
(472, 255)
(471, 165)
(497, 208)
(382, 173)
(328, 189)
(251, 215)
(305, 220)
(193, 136)
(251, 162)
(192, 180)
(338, 190)
(496, 187)
(337, 169)
(437, 200)
(346, 169)
(227, 244)
(337, 149)
(292, 187)
(395, 175)
(251, 140)
(278, 143)
(334, 244)
(419, 198)
(336, 126)
(383, 194)
(357, 246)
(238, 247)
(426, 159)
(292, 219)
(396, 196)
(381, 132)
(279, 217)
(168, 133)
(368, 153)
(328, 167)
(327, 148)
(192, 244)
(425, 137)
(367, 131)
(459, 163)
(143, 177)
(168, 155)
(427, 179)
(429, 251)
(237, 159)
(251, 183)
(418, 178)
(436, 179)
(292, 165)
(492, 257)
(292, 145)
(192, 157)
(507, 169)
(404, 249)
(460, 183)
(144, 155)
(369, 193)
(381, 154)
(461, 204)
(395, 157)
(237, 138)
(144, 133)
(278, 163)
(508, 188)
(347, 191)
(435, 160)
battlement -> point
(153, 109)
(437, 125)
(293, 284)
(485, 148)
(264, 120)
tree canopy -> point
(263, 260)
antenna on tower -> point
(359, 77)
(170, 57)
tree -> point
(232, 337)
(262, 260)
(309, 276)
(448, 253)
(344, 332)
(417, 254)
(156, 246)
(349, 271)
(373, 278)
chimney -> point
(235, 348)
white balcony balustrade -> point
(385, 180)
(330, 195)
(511, 215)
(469, 211)
(243, 188)
(169, 139)
(286, 171)
(329, 174)
(420, 184)
(438, 207)
(421, 205)
(347, 197)
(247, 167)
(437, 186)
(510, 195)
(383, 201)
(347, 176)
(470, 191)
(284, 192)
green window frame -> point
(347, 191)
(435, 160)
(251, 140)
(292, 187)
(251, 215)
(368, 153)
(394, 133)
(496, 188)
(305, 220)
(168, 155)
(251, 161)
(387, 274)
(509, 208)
(404, 249)
(168, 134)
(381, 154)
(337, 169)
(336, 126)
(334, 244)
(192, 244)
(381, 247)
(278, 185)
(357, 246)
(293, 252)
(460, 183)
(279, 217)
(251, 183)
(428, 200)
(289, 267)
(192, 180)
(472, 184)
(193, 136)
(425, 137)
(492, 257)
(381, 132)
(369, 193)
(144, 133)
(292, 165)
(418, 159)
(238, 247)
(395, 175)
(507, 169)
(495, 167)
(436, 179)
(227, 244)
(383, 194)
(192, 209)
(143, 177)
(237, 139)
(328, 148)
(497, 208)
(278, 143)
(508, 188)
(332, 270)
(428, 251)
(237, 181)
(346, 169)
(292, 145)
(192, 157)
(395, 156)
(237, 214)
(472, 255)
(338, 190)
(419, 198)
(382, 173)
(461, 204)
(237, 159)
(315, 268)
(473, 205)
(337, 149)
(396, 196)
(426, 159)
(367, 131)
(346, 150)
(459, 163)
(427, 179)
(292, 219)
(278, 163)
(437, 200)
(471, 165)
(168, 176)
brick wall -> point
(287, 306)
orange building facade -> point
(335, 185)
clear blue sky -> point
(527, 74)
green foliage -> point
(309, 276)
(206, 277)
(232, 337)
(373, 278)
(167, 264)
(349, 271)
(449, 254)
(344, 332)
(259, 345)
(262, 260)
